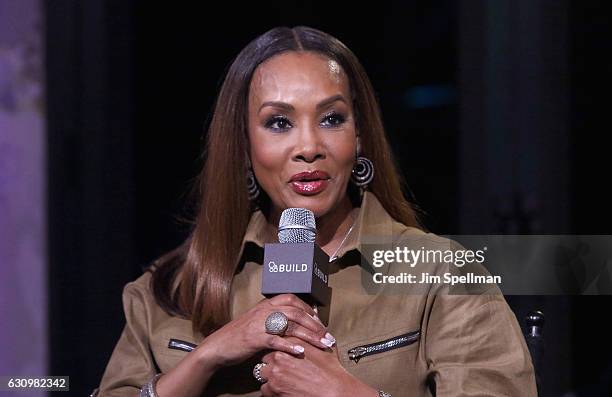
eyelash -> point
(340, 119)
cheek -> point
(268, 159)
(345, 154)
(266, 155)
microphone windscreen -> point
(297, 225)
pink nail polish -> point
(330, 337)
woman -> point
(296, 124)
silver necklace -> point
(334, 257)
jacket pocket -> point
(358, 352)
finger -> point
(265, 374)
(306, 328)
(270, 371)
(314, 338)
(276, 342)
(303, 319)
(266, 391)
(275, 357)
(265, 371)
(291, 300)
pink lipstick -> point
(310, 182)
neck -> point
(333, 227)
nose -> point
(308, 146)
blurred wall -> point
(23, 330)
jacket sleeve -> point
(131, 364)
(475, 347)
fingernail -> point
(327, 342)
(330, 337)
(298, 349)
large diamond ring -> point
(276, 323)
(257, 372)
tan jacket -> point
(466, 345)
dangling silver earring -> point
(252, 186)
(363, 172)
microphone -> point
(297, 265)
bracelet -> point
(383, 394)
(148, 389)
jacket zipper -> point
(358, 352)
(178, 344)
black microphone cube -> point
(296, 268)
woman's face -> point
(302, 131)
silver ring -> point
(276, 323)
(257, 372)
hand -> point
(316, 373)
(246, 335)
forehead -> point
(297, 76)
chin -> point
(320, 206)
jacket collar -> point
(372, 221)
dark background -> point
(497, 113)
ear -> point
(358, 150)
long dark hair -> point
(201, 269)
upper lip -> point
(309, 176)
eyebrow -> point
(288, 107)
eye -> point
(333, 119)
(278, 123)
